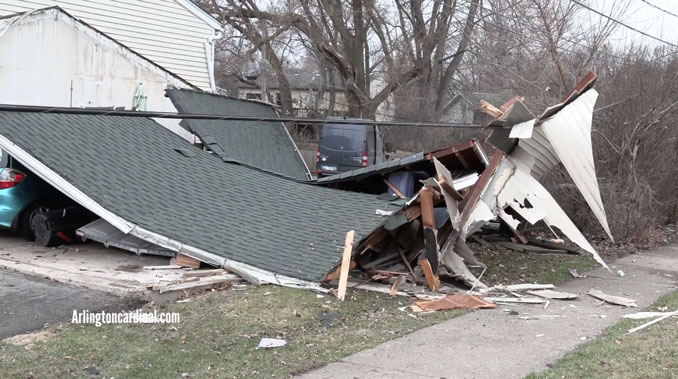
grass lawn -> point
(219, 331)
(649, 353)
(506, 266)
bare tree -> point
(360, 38)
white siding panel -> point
(160, 30)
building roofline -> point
(122, 45)
(201, 14)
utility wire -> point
(661, 9)
(221, 117)
(623, 24)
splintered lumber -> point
(644, 315)
(431, 278)
(373, 287)
(456, 301)
(334, 275)
(645, 325)
(165, 267)
(396, 285)
(518, 300)
(616, 300)
(490, 109)
(345, 264)
(203, 273)
(394, 189)
(548, 294)
(186, 261)
(504, 107)
(200, 282)
(523, 287)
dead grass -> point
(649, 353)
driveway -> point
(27, 303)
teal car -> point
(23, 195)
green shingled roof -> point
(265, 145)
(134, 168)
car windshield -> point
(343, 138)
(4, 159)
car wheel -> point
(26, 230)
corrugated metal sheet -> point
(569, 133)
(162, 30)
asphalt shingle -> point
(134, 168)
(265, 145)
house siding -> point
(161, 30)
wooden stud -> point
(427, 212)
(186, 261)
(431, 278)
(345, 264)
(394, 189)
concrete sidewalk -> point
(493, 344)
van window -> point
(4, 159)
(346, 139)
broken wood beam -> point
(203, 273)
(490, 109)
(394, 189)
(198, 282)
(431, 278)
(345, 264)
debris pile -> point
(399, 227)
(450, 194)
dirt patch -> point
(129, 268)
(29, 339)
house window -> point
(253, 96)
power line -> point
(622, 24)
(661, 9)
(222, 117)
(491, 11)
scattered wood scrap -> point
(196, 282)
(616, 300)
(459, 301)
(645, 325)
(645, 315)
(517, 300)
(553, 295)
(522, 287)
(164, 267)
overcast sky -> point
(643, 16)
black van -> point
(346, 147)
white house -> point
(175, 34)
(51, 57)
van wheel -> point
(27, 217)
